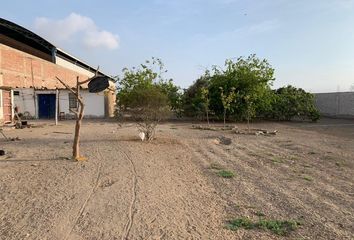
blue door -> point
(46, 106)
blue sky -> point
(310, 43)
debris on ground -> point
(142, 136)
(201, 127)
(14, 139)
(256, 132)
(223, 140)
(2, 152)
(3, 134)
(63, 133)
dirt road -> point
(166, 189)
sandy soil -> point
(165, 189)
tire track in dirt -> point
(322, 183)
(269, 169)
(328, 197)
(93, 190)
(176, 201)
(334, 197)
(129, 223)
(202, 156)
(283, 198)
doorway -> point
(46, 106)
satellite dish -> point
(98, 84)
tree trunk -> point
(207, 115)
(76, 145)
(79, 117)
(224, 118)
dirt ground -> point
(168, 189)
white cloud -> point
(76, 26)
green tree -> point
(151, 73)
(193, 103)
(293, 102)
(205, 97)
(227, 99)
(146, 95)
(250, 110)
(249, 76)
(148, 106)
(173, 94)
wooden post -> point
(56, 106)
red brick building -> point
(29, 66)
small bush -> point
(240, 223)
(307, 178)
(226, 174)
(278, 227)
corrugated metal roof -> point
(26, 36)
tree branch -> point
(89, 79)
(67, 87)
(73, 111)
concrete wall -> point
(339, 104)
(94, 102)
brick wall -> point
(22, 70)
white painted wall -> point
(94, 102)
(25, 102)
(69, 65)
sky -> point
(309, 43)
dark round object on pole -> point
(98, 84)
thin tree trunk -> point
(224, 118)
(207, 115)
(76, 145)
(79, 117)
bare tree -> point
(79, 114)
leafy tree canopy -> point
(146, 76)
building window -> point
(72, 101)
(16, 93)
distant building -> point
(336, 104)
(29, 65)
